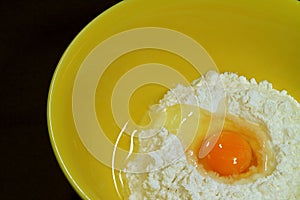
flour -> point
(255, 102)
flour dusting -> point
(256, 102)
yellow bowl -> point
(254, 38)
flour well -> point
(257, 103)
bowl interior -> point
(251, 38)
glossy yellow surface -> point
(256, 38)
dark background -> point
(33, 36)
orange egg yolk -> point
(231, 155)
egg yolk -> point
(231, 155)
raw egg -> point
(242, 152)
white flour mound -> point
(256, 102)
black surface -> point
(33, 36)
